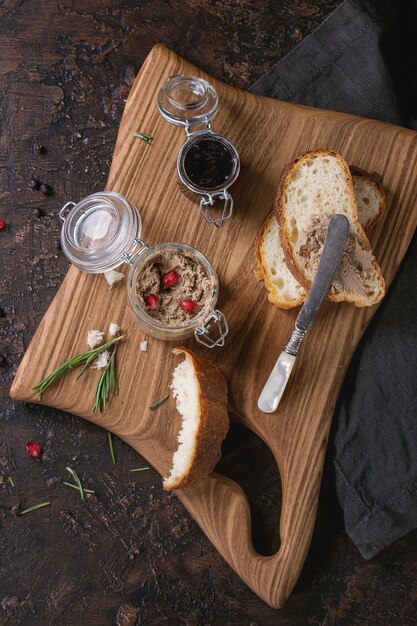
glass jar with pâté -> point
(172, 287)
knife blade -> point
(334, 246)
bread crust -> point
(261, 270)
(284, 233)
(214, 420)
(374, 180)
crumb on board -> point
(94, 338)
(112, 277)
(143, 347)
(101, 361)
(113, 329)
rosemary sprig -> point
(11, 481)
(107, 383)
(111, 446)
(143, 136)
(139, 469)
(34, 508)
(85, 359)
(77, 481)
(158, 403)
(77, 488)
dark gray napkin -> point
(363, 60)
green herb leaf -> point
(34, 508)
(156, 404)
(111, 446)
(77, 488)
(143, 136)
(77, 481)
(107, 384)
(139, 469)
(193, 267)
(85, 359)
(11, 481)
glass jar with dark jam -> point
(208, 163)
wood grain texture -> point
(267, 134)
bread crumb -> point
(143, 347)
(102, 361)
(112, 277)
(113, 329)
(94, 338)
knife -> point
(334, 246)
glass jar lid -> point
(187, 100)
(99, 230)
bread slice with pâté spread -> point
(200, 391)
(285, 291)
(315, 186)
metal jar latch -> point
(138, 246)
(208, 202)
(65, 210)
(215, 323)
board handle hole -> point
(248, 461)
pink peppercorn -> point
(33, 449)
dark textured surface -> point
(131, 554)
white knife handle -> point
(274, 387)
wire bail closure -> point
(130, 255)
(66, 209)
(209, 201)
(202, 333)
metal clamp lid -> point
(207, 207)
(202, 333)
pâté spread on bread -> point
(172, 287)
(355, 269)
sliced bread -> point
(369, 196)
(315, 186)
(284, 290)
(200, 391)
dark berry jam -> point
(209, 163)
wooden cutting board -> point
(268, 134)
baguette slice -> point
(315, 186)
(284, 290)
(369, 195)
(200, 390)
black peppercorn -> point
(38, 212)
(40, 149)
(2, 312)
(34, 184)
(46, 189)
